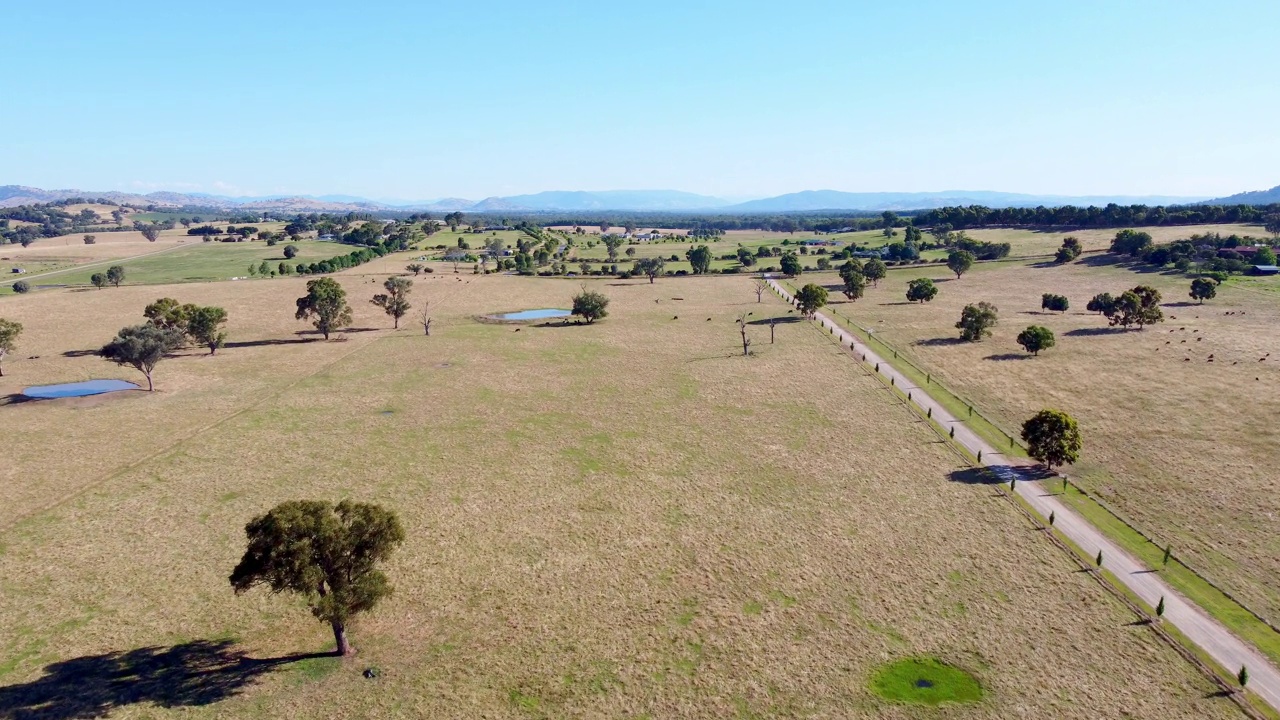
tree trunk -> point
(150, 387)
(340, 638)
(396, 326)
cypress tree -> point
(1160, 607)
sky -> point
(424, 100)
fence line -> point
(1092, 497)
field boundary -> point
(865, 334)
(1208, 632)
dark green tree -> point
(1052, 437)
(329, 554)
(959, 262)
(1069, 251)
(790, 264)
(650, 266)
(1130, 242)
(811, 298)
(143, 347)
(855, 283)
(168, 313)
(746, 258)
(395, 301)
(699, 258)
(590, 305)
(205, 327)
(875, 270)
(976, 321)
(290, 252)
(921, 290)
(1101, 303)
(1056, 303)
(1203, 288)
(115, 275)
(99, 280)
(22, 287)
(325, 304)
(1139, 306)
(1036, 338)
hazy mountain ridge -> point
(623, 200)
(1253, 197)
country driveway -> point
(1211, 636)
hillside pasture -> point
(1176, 417)
(618, 520)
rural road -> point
(1211, 636)
(110, 261)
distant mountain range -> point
(620, 200)
(1255, 197)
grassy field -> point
(199, 262)
(1173, 441)
(620, 520)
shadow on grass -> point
(939, 342)
(79, 353)
(15, 399)
(274, 341)
(192, 674)
(1009, 356)
(783, 320)
(1090, 332)
(975, 476)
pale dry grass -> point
(619, 520)
(1036, 242)
(1185, 447)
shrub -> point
(22, 286)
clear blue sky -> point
(421, 100)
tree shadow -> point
(191, 674)
(783, 320)
(1090, 332)
(79, 353)
(15, 399)
(1008, 356)
(274, 341)
(939, 342)
(901, 302)
(975, 476)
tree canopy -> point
(650, 266)
(976, 321)
(590, 305)
(1056, 303)
(811, 298)
(142, 347)
(1139, 306)
(325, 304)
(921, 290)
(1052, 437)
(699, 258)
(204, 326)
(1203, 288)
(328, 554)
(959, 262)
(1036, 338)
(395, 302)
(9, 332)
(115, 275)
(875, 270)
(790, 264)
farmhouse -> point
(1264, 270)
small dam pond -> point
(540, 314)
(77, 389)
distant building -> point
(1265, 270)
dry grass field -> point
(1183, 446)
(620, 520)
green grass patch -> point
(315, 669)
(925, 681)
